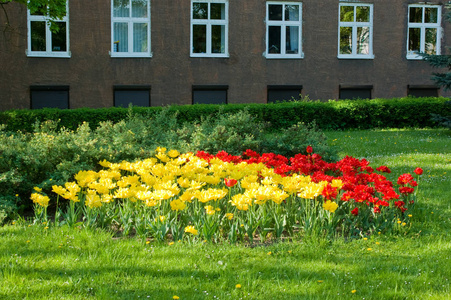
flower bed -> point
(216, 197)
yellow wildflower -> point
(229, 216)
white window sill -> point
(284, 56)
(49, 55)
(222, 55)
(341, 56)
(129, 55)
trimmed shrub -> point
(332, 115)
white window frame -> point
(354, 26)
(283, 24)
(130, 20)
(48, 36)
(423, 26)
(208, 22)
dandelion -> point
(377, 243)
(403, 224)
(46, 227)
(353, 291)
(410, 216)
(320, 281)
(28, 241)
(175, 297)
(369, 249)
(269, 253)
(171, 243)
(365, 239)
(238, 286)
(148, 242)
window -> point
(210, 94)
(424, 30)
(125, 95)
(278, 93)
(355, 36)
(422, 91)
(130, 28)
(284, 30)
(209, 28)
(49, 97)
(353, 92)
(42, 42)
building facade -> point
(161, 52)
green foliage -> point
(444, 120)
(53, 9)
(342, 114)
(295, 139)
(230, 132)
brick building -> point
(158, 52)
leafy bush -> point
(295, 139)
(230, 132)
(342, 114)
(445, 121)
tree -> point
(441, 61)
(53, 9)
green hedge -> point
(343, 114)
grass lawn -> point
(63, 263)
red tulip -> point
(309, 149)
(418, 171)
(230, 182)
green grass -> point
(63, 263)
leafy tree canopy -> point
(53, 9)
(441, 61)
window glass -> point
(423, 30)
(362, 14)
(416, 15)
(274, 39)
(430, 15)
(347, 13)
(292, 39)
(363, 40)
(139, 8)
(38, 36)
(414, 39)
(46, 39)
(59, 42)
(431, 41)
(356, 30)
(200, 10)
(121, 36)
(217, 11)
(275, 12)
(199, 38)
(218, 38)
(345, 40)
(284, 30)
(121, 8)
(140, 37)
(291, 12)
